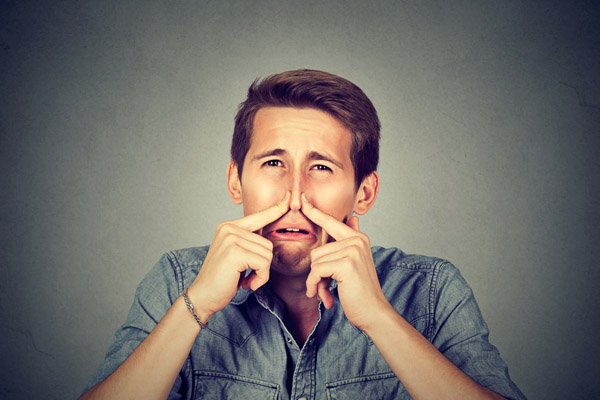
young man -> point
(291, 301)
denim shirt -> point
(247, 351)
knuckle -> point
(230, 240)
(353, 246)
(361, 240)
(269, 257)
(365, 239)
(314, 253)
(268, 244)
(225, 227)
(264, 260)
(355, 241)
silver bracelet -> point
(192, 309)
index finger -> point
(254, 222)
(337, 229)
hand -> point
(234, 249)
(349, 261)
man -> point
(291, 301)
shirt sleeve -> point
(461, 334)
(153, 298)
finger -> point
(228, 234)
(255, 261)
(343, 247)
(254, 281)
(259, 274)
(252, 237)
(337, 229)
(258, 278)
(245, 280)
(252, 243)
(319, 271)
(254, 222)
(324, 294)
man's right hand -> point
(149, 372)
(234, 249)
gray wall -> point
(115, 122)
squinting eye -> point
(320, 167)
(273, 163)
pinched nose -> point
(297, 188)
(296, 200)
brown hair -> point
(313, 89)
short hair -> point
(320, 90)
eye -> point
(273, 163)
(321, 167)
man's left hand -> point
(349, 261)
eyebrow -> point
(316, 156)
(269, 153)
(313, 155)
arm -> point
(150, 371)
(423, 370)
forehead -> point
(292, 126)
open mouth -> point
(292, 230)
(291, 234)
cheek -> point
(337, 203)
(259, 197)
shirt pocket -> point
(217, 385)
(379, 386)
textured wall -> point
(115, 121)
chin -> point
(289, 259)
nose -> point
(297, 187)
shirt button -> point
(311, 341)
(290, 341)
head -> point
(311, 133)
(320, 90)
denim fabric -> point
(247, 352)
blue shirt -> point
(248, 353)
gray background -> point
(116, 119)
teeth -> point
(294, 230)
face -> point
(302, 151)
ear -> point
(234, 184)
(367, 193)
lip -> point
(274, 233)
(290, 236)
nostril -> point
(296, 202)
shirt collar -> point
(265, 295)
(241, 296)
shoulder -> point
(412, 282)
(394, 261)
(186, 263)
(174, 270)
(188, 258)
(397, 269)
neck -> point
(301, 312)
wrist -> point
(378, 319)
(199, 314)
